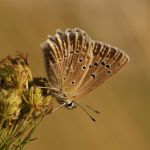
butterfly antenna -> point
(88, 106)
(58, 107)
(96, 111)
(85, 111)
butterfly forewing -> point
(76, 64)
(65, 54)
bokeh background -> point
(124, 101)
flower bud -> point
(36, 100)
(9, 104)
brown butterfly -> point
(76, 64)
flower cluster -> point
(24, 101)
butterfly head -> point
(70, 104)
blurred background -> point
(124, 101)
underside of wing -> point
(67, 56)
(76, 64)
(107, 61)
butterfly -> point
(76, 64)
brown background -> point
(124, 101)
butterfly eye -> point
(69, 104)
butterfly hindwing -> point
(106, 62)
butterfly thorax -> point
(62, 99)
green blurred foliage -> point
(123, 101)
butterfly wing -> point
(107, 61)
(66, 55)
(76, 64)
